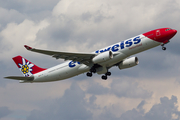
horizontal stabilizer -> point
(20, 78)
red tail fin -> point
(26, 67)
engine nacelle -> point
(127, 63)
(103, 57)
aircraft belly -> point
(68, 72)
(63, 71)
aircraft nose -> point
(161, 35)
(171, 33)
(166, 35)
(174, 31)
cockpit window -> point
(168, 29)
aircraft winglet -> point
(27, 47)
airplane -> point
(99, 61)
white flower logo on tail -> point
(25, 68)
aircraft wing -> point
(84, 58)
(20, 78)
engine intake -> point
(127, 63)
(103, 57)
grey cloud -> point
(164, 110)
(9, 16)
(107, 115)
(133, 72)
(161, 111)
(29, 6)
(63, 28)
(17, 11)
(92, 99)
(57, 34)
(4, 111)
(121, 88)
(140, 106)
(97, 89)
(11, 68)
(153, 61)
(169, 8)
(173, 46)
(71, 106)
(60, 34)
(86, 16)
(157, 64)
(131, 115)
(103, 30)
(129, 88)
(99, 17)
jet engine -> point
(102, 57)
(129, 62)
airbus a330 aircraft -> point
(99, 61)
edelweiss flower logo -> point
(25, 68)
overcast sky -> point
(149, 91)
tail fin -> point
(26, 67)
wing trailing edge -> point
(85, 58)
(31, 78)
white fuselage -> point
(120, 51)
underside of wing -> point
(79, 57)
(20, 78)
